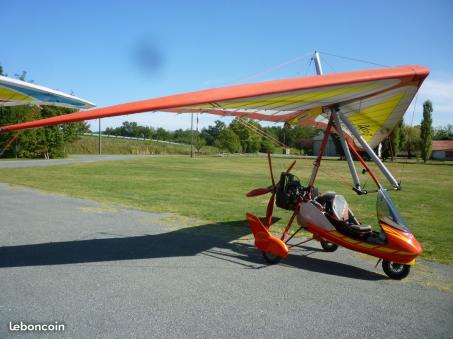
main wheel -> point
(394, 270)
(329, 246)
(271, 258)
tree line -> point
(47, 142)
(241, 135)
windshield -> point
(387, 212)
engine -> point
(288, 191)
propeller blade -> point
(270, 168)
(291, 167)
(270, 209)
(259, 191)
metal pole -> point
(317, 162)
(347, 153)
(198, 133)
(317, 61)
(191, 137)
(100, 147)
(325, 138)
(370, 151)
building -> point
(442, 150)
(330, 150)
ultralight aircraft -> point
(362, 107)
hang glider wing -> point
(15, 92)
(373, 100)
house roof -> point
(442, 145)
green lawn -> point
(213, 189)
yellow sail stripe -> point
(8, 94)
(314, 112)
(370, 120)
(287, 100)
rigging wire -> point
(355, 59)
(308, 67)
(409, 137)
(10, 141)
(328, 64)
(261, 132)
(274, 68)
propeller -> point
(271, 189)
(259, 191)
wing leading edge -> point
(373, 100)
(15, 92)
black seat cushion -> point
(361, 228)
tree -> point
(229, 141)
(412, 145)
(286, 135)
(402, 135)
(303, 138)
(162, 134)
(391, 145)
(249, 139)
(267, 146)
(443, 133)
(131, 129)
(274, 131)
(426, 130)
(395, 141)
(47, 142)
(212, 133)
(184, 136)
(199, 143)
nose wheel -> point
(328, 246)
(394, 270)
(271, 258)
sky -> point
(111, 52)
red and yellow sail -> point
(373, 100)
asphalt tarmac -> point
(107, 271)
(70, 160)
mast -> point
(338, 127)
(345, 147)
(317, 61)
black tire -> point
(271, 258)
(394, 270)
(329, 246)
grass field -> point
(213, 189)
(89, 145)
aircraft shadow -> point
(213, 240)
(306, 262)
(183, 242)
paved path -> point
(70, 160)
(110, 272)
